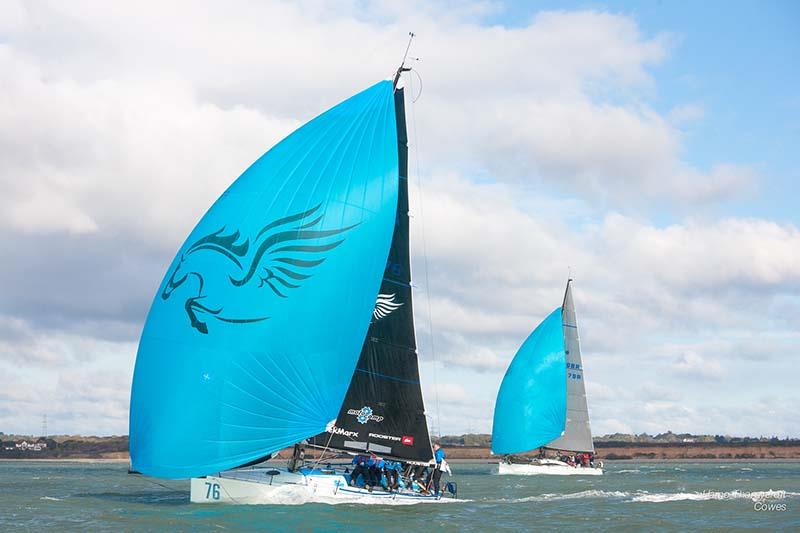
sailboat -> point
(542, 402)
(286, 319)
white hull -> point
(257, 486)
(547, 468)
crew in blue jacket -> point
(360, 468)
(438, 456)
(375, 465)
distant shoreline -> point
(100, 460)
(115, 450)
(64, 460)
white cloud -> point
(448, 393)
(125, 156)
(493, 274)
(700, 254)
(92, 402)
(24, 345)
(692, 365)
(80, 383)
(138, 110)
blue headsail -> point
(531, 406)
(256, 329)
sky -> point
(647, 149)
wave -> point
(713, 495)
(659, 497)
(50, 498)
(628, 471)
(571, 496)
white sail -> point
(577, 435)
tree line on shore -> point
(483, 440)
(75, 446)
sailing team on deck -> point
(370, 471)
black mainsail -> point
(383, 411)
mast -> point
(577, 435)
(383, 410)
(402, 68)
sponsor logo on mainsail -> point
(278, 258)
(340, 431)
(384, 437)
(364, 415)
(384, 306)
(408, 440)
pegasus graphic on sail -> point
(278, 257)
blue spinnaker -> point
(256, 329)
(531, 406)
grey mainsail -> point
(577, 435)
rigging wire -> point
(154, 482)
(419, 94)
(322, 453)
(425, 253)
(222, 486)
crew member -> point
(360, 468)
(390, 469)
(376, 465)
(438, 456)
(297, 459)
(370, 475)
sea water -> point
(64, 496)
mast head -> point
(402, 68)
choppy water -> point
(630, 497)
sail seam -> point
(385, 376)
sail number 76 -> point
(212, 491)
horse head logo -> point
(279, 258)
